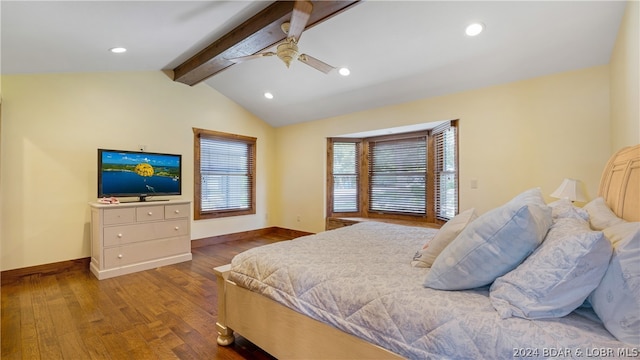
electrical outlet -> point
(298, 218)
(474, 183)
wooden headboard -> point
(620, 183)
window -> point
(412, 175)
(397, 175)
(345, 176)
(224, 182)
(446, 171)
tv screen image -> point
(141, 174)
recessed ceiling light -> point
(268, 95)
(344, 71)
(474, 29)
(118, 50)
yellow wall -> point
(51, 130)
(513, 137)
(625, 81)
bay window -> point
(412, 175)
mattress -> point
(359, 280)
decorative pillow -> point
(427, 255)
(531, 196)
(564, 208)
(617, 299)
(600, 216)
(557, 277)
(492, 245)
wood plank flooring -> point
(165, 313)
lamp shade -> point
(570, 189)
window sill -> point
(338, 222)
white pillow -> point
(427, 255)
(492, 245)
(557, 277)
(564, 208)
(617, 299)
(600, 215)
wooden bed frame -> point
(287, 334)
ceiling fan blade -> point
(315, 63)
(299, 18)
(250, 57)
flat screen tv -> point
(138, 174)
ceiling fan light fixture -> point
(118, 50)
(268, 95)
(344, 71)
(474, 29)
(288, 51)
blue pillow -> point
(617, 299)
(558, 276)
(492, 245)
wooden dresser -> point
(132, 237)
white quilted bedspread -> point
(359, 279)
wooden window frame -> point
(439, 167)
(212, 214)
(330, 182)
(363, 189)
(367, 143)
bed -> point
(351, 292)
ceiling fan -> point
(287, 50)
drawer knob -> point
(119, 235)
(177, 228)
(149, 213)
(119, 256)
(177, 211)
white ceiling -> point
(397, 51)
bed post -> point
(225, 334)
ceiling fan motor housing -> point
(288, 51)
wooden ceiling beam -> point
(254, 35)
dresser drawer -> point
(176, 211)
(126, 234)
(119, 216)
(144, 251)
(150, 213)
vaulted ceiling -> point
(397, 51)
(279, 21)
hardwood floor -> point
(165, 313)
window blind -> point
(345, 177)
(397, 175)
(226, 174)
(445, 171)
